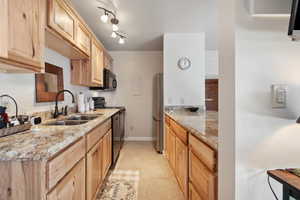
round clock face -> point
(184, 63)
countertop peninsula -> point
(202, 124)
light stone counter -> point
(43, 142)
(203, 125)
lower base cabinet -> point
(181, 165)
(94, 169)
(72, 186)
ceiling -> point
(145, 21)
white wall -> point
(266, 138)
(211, 64)
(135, 72)
(187, 87)
(226, 133)
(22, 86)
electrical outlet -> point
(279, 95)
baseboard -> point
(139, 139)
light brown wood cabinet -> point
(94, 172)
(75, 173)
(193, 194)
(72, 186)
(83, 38)
(96, 64)
(201, 178)
(79, 75)
(181, 164)
(61, 19)
(22, 35)
(106, 156)
(193, 162)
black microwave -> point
(109, 81)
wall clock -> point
(184, 63)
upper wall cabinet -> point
(22, 35)
(83, 38)
(61, 19)
(97, 64)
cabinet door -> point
(97, 65)
(109, 148)
(181, 165)
(203, 180)
(72, 186)
(26, 32)
(172, 149)
(94, 168)
(61, 19)
(83, 39)
(79, 75)
(106, 157)
(193, 194)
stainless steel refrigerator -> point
(158, 113)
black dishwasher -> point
(118, 134)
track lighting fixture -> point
(115, 22)
(104, 17)
(120, 35)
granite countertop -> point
(203, 125)
(43, 142)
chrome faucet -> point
(56, 112)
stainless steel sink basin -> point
(66, 122)
(83, 117)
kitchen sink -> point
(84, 117)
(66, 122)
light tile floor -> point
(157, 181)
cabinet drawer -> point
(203, 180)
(206, 154)
(59, 166)
(179, 131)
(72, 186)
(97, 133)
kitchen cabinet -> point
(79, 75)
(181, 165)
(83, 39)
(96, 70)
(108, 61)
(72, 186)
(61, 19)
(74, 173)
(194, 162)
(193, 194)
(201, 178)
(22, 35)
(106, 155)
(94, 169)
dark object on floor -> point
(193, 109)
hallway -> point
(157, 181)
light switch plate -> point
(279, 95)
